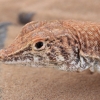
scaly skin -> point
(66, 45)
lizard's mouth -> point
(27, 59)
(2, 55)
(24, 57)
(16, 58)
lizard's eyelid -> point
(40, 45)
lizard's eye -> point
(39, 45)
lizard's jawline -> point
(18, 61)
(36, 63)
(74, 67)
(30, 63)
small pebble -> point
(24, 17)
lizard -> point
(63, 44)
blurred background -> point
(25, 83)
(22, 11)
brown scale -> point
(70, 40)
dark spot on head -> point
(16, 58)
(61, 40)
(48, 54)
(48, 45)
(68, 40)
(76, 36)
(85, 45)
(51, 56)
(53, 50)
(46, 39)
(75, 42)
(61, 47)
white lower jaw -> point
(18, 61)
(60, 67)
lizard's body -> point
(67, 45)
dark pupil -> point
(38, 45)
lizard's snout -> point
(2, 55)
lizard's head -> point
(37, 44)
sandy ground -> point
(26, 83)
